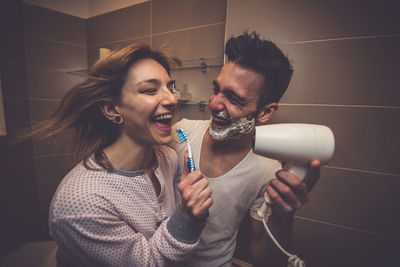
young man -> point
(245, 94)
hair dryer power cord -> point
(294, 260)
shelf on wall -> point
(74, 72)
(189, 102)
(202, 63)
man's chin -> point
(217, 134)
(235, 130)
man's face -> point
(233, 102)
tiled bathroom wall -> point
(18, 193)
(192, 30)
(55, 47)
(346, 66)
(40, 49)
(44, 50)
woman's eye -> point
(149, 91)
(172, 89)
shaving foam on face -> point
(236, 130)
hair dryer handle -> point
(299, 170)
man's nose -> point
(217, 102)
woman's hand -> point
(196, 195)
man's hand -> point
(289, 192)
(196, 195)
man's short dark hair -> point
(265, 58)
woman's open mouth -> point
(163, 122)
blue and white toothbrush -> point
(183, 138)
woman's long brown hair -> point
(80, 107)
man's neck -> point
(243, 144)
(219, 157)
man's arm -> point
(264, 252)
(288, 193)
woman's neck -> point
(127, 155)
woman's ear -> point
(266, 113)
(111, 112)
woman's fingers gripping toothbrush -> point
(195, 192)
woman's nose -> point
(169, 98)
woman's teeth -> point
(163, 117)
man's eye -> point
(234, 101)
(215, 90)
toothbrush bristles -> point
(182, 136)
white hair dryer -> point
(295, 143)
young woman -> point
(117, 206)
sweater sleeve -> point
(103, 239)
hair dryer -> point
(295, 143)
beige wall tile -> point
(17, 114)
(178, 14)
(13, 80)
(17, 178)
(329, 246)
(50, 84)
(60, 166)
(356, 199)
(60, 144)
(94, 54)
(286, 20)
(53, 25)
(130, 22)
(12, 154)
(42, 109)
(196, 43)
(352, 72)
(44, 54)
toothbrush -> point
(183, 138)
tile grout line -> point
(55, 41)
(157, 34)
(52, 155)
(339, 106)
(347, 227)
(341, 39)
(151, 23)
(362, 171)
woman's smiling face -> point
(147, 103)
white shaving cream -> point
(236, 130)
